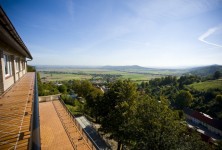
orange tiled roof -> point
(58, 129)
(201, 117)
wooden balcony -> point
(16, 108)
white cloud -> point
(208, 33)
(172, 9)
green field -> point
(84, 70)
(65, 73)
(67, 76)
(61, 77)
(86, 74)
(203, 86)
(139, 77)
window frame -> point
(17, 64)
(20, 64)
(23, 65)
(7, 65)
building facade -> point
(213, 125)
(13, 54)
(19, 113)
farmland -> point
(135, 73)
(60, 74)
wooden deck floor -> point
(15, 114)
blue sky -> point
(157, 33)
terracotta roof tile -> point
(200, 116)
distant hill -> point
(133, 67)
(147, 70)
(201, 71)
(206, 70)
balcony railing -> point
(91, 142)
(19, 120)
(34, 143)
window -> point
(20, 64)
(23, 65)
(17, 64)
(8, 65)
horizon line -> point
(154, 67)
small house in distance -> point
(13, 53)
(204, 123)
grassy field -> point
(65, 76)
(136, 75)
(85, 74)
(139, 77)
(61, 77)
(203, 86)
(84, 70)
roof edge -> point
(12, 31)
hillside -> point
(204, 86)
(206, 70)
(200, 71)
(133, 67)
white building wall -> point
(8, 82)
(16, 76)
(20, 74)
(210, 128)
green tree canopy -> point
(118, 107)
(183, 99)
(62, 88)
(93, 100)
(155, 126)
(219, 99)
(217, 75)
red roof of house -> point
(203, 118)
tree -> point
(118, 107)
(219, 100)
(183, 99)
(40, 86)
(217, 75)
(93, 99)
(62, 88)
(143, 85)
(155, 126)
(82, 88)
(30, 68)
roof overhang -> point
(9, 35)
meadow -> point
(204, 86)
(62, 76)
(86, 74)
